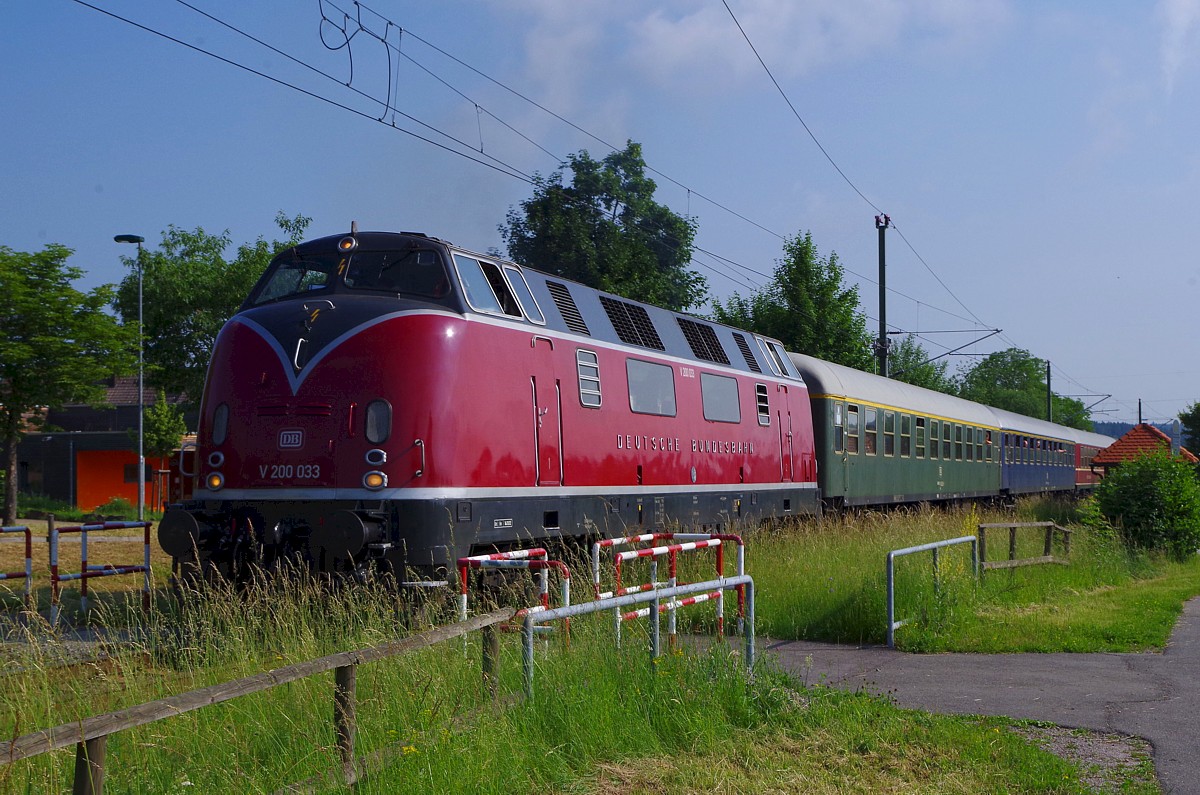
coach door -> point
(547, 419)
(784, 415)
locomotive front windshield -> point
(416, 272)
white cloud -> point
(695, 46)
(1180, 19)
(698, 44)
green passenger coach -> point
(882, 441)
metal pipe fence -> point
(26, 575)
(654, 597)
(88, 570)
(892, 623)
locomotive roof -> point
(574, 308)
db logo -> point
(291, 439)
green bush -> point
(1154, 502)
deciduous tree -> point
(57, 344)
(807, 307)
(1190, 420)
(189, 290)
(908, 361)
(1014, 380)
(605, 230)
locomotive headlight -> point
(215, 480)
(374, 480)
(347, 244)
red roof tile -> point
(1140, 439)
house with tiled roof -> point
(1141, 439)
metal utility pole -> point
(141, 435)
(882, 222)
(1049, 395)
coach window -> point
(979, 444)
(852, 429)
(970, 433)
(524, 295)
(947, 445)
(988, 444)
(905, 435)
(839, 428)
(920, 437)
(719, 394)
(889, 433)
(935, 431)
(651, 387)
(871, 431)
(588, 366)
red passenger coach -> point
(389, 400)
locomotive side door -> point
(547, 417)
(784, 415)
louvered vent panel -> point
(744, 347)
(567, 308)
(703, 340)
(632, 323)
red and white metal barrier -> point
(529, 559)
(688, 542)
(26, 575)
(86, 570)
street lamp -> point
(141, 495)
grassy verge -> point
(827, 581)
(603, 720)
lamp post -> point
(141, 495)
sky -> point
(1038, 160)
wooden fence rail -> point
(1013, 561)
(89, 735)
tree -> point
(807, 307)
(1010, 380)
(909, 362)
(606, 231)
(189, 291)
(57, 344)
(163, 428)
(1190, 420)
(1154, 502)
(1015, 381)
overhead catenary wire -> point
(478, 155)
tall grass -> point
(604, 717)
(827, 581)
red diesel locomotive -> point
(389, 400)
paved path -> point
(1155, 695)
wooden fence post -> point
(89, 767)
(491, 657)
(344, 719)
(1012, 543)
